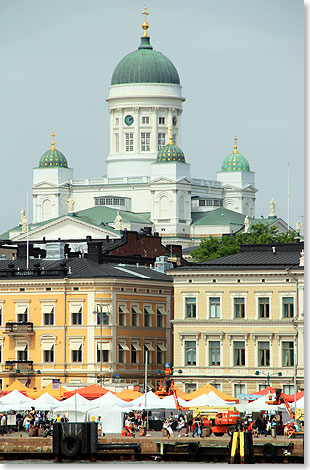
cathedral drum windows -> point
(145, 120)
(129, 141)
(161, 120)
(145, 141)
(161, 142)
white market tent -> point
(150, 402)
(168, 403)
(13, 401)
(109, 399)
(211, 399)
(43, 403)
(75, 408)
(299, 403)
(112, 417)
(261, 405)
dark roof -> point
(256, 257)
(78, 268)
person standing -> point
(198, 423)
(167, 426)
(99, 421)
(3, 424)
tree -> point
(211, 248)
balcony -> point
(18, 366)
(19, 328)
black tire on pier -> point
(70, 446)
(219, 434)
(269, 450)
(208, 431)
(230, 430)
(193, 448)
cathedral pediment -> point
(47, 184)
(165, 180)
(64, 227)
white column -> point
(121, 131)
(136, 134)
(154, 133)
(111, 131)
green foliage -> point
(211, 248)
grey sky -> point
(240, 64)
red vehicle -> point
(224, 421)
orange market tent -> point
(54, 392)
(128, 395)
(90, 392)
(17, 385)
(181, 394)
(209, 388)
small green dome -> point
(235, 162)
(145, 66)
(170, 153)
(53, 157)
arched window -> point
(164, 208)
(46, 210)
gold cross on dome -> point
(235, 146)
(53, 143)
(145, 25)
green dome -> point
(170, 153)
(53, 158)
(145, 66)
(235, 162)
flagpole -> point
(27, 231)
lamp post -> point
(268, 375)
(101, 316)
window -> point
(287, 353)
(215, 304)
(263, 307)
(121, 316)
(117, 121)
(161, 142)
(22, 313)
(22, 355)
(104, 353)
(288, 389)
(190, 353)
(0, 316)
(121, 352)
(210, 203)
(214, 353)
(76, 315)
(217, 386)
(147, 316)
(288, 307)
(190, 388)
(145, 120)
(160, 317)
(149, 349)
(48, 315)
(104, 316)
(239, 390)
(263, 353)
(77, 354)
(109, 201)
(239, 310)
(129, 141)
(116, 142)
(0, 353)
(239, 353)
(160, 353)
(145, 141)
(134, 354)
(190, 307)
(48, 355)
(261, 387)
(134, 316)
(161, 120)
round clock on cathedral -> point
(128, 120)
(174, 120)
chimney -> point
(94, 250)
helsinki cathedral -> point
(148, 181)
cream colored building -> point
(238, 320)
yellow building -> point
(50, 319)
(238, 320)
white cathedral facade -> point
(147, 172)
